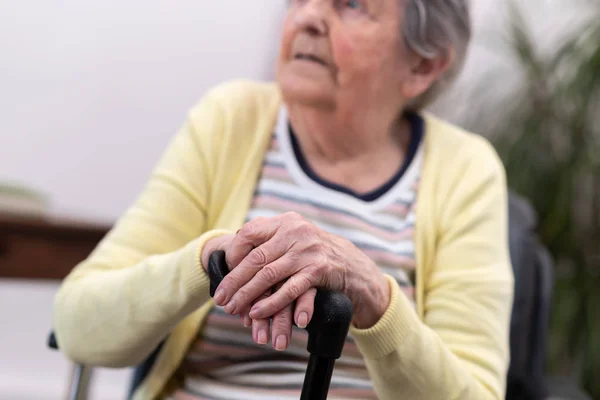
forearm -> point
(114, 317)
(403, 355)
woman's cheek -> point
(343, 48)
(345, 57)
(285, 45)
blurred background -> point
(91, 92)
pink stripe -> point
(397, 209)
(232, 322)
(331, 217)
(206, 348)
(382, 257)
(275, 172)
(182, 395)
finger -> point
(305, 306)
(250, 266)
(292, 289)
(244, 312)
(246, 288)
(252, 234)
(281, 328)
(260, 331)
(247, 321)
(260, 327)
(238, 249)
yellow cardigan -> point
(144, 281)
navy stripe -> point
(416, 135)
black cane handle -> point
(331, 319)
(217, 270)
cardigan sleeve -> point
(460, 349)
(145, 276)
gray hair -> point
(432, 28)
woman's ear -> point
(424, 73)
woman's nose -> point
(312, 16)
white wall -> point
(93, 90)
(90, 93)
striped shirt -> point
(224, 362)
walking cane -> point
(327, 331)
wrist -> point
(376, 300)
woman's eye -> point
(355, 4)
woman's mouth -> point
(310, 58)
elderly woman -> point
(332, 177)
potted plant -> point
(547, 132)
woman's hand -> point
(281, 324)
(295, 253)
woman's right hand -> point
(281, 327)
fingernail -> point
(302, 320)
(281, 343)
(219, 297)
(230, 307)
(247, 321)
(262, 337)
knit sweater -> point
(144, 283)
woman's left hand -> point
(293, 252)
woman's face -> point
(346, 52)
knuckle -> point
(315, 272)
(281, 326)
(294, 290)
(307, 230)
(305, 303)
(259, 221)
(285, 313)
(270, 274)
(298, 286)
(250, 229)
(241, 296)
(262, 323)
(321, 260)
(283, 319)
(293, 215)
(311, 280)
(309, 294)
(257, 256)
(293, 257)
(318, 247)
(247, 230)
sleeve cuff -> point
(394, 329)
(195, 278)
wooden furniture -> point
(44, 248)
(47, 249)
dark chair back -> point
(533, 270)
